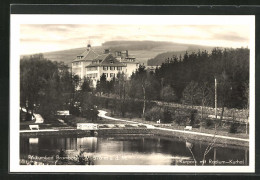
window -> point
(76, 63)
(112, 75)
(111, 62)
(105, 68)
(106, 74)
(92, 68)
(119, 68)
(112, 68)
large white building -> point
(105, 64)
(82, 60)
(129, 61)
(93, 65)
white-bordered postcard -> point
(132, 93)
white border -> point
(16, 20)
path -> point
(40, 130)
(103, 115)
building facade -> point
(105, 64)
(79, 64)
(129, 61)
(93, 65)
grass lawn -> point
(224, 131)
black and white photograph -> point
(132, 93)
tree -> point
(206, 95)
(224, 92)
(141, 83)
(103, 84)
(167, 94)
(202, 66)
(85, 87)
(44, 85)
(88, 106)
(120, 89)
(190, 93)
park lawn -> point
(220, 130)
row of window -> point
(94, 75)
(80, 57)
(112, 68)
(76, 63)
(111, 75)
(130, 60)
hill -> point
(153, 52)
(142, 50)
(160, 58)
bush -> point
(154, 114)
(74, 111)
(193, 116)
(178, 121)
(167, 116)
(181, 120)
(209, 122)
(233, 127)
(143, 126)
(128, 125)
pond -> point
(126, 150)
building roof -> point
(130, 62)
(87, 55)
(101, 57)
(106, 60)
(130, 56)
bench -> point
(34, 127)
(188, 128)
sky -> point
(35, 38)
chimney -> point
(126, 53)
(88, 47)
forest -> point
(190, 79)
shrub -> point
(181, 120)
(74, 110)
(193, 116)
(128, 125)
(167, 116)
(178, 120)
(233, 127)
(143, 126)
(209, 122)
(196, 126)
(154, 114)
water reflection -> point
(130, 151)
